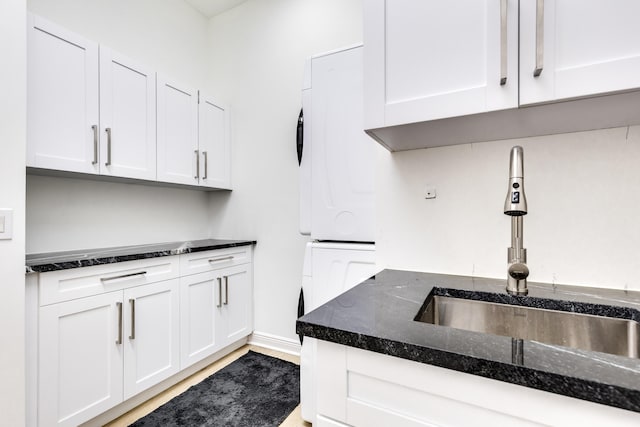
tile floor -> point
(294, 420)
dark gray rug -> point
(255, 390)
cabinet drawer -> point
(64, 285)
(201, 262)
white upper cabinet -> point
(127, 117)
(214, 143)
(451, 72)
(62, 99)
(426, 60)
(93, 110)
(585, 48)
(178, 154)
(194, 145)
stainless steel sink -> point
(580, 331)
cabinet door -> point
(62, 99)
(236, 320)
(199, 295)
(215, 144)
(428, 60)
(151, 335)
(588, 47)
(178, 155)
(127, 117)
(80, 359)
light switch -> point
(6, 224)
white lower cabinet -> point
(235, 309)
(216, 310)
(151, 335)
(100, 335)
(362, 388)
(99, 350)
(80, 360)
(198, 318)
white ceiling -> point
(211, 8)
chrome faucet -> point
(516, 207)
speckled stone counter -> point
(378, 315)
(53, 261)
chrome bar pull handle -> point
(95, 145)
(225, 258)
(197, 165)
(219, 304)
(226, 290)
(503, 42)
(539, 37)
(108, 163)
(206, 166)
(119, 340)
(133, 319)
(123, 276)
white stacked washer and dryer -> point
(337, 164)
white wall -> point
(12, 163)
(258, 53)
(583, 193)
(170, 37)
(67, 214)
(167, 35)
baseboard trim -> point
(274, 342)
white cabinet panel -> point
(450, 67)
(440, 84)
(127, 117)
(198, 316)
(178, 155)
(216, 306)
(363, 388)
(589, 47)
(214, 143)
(237, 305)
(62, 98)
(151, 335)
(64, 285)
(93, 110)
(201, 262)
(80, 361)
(98, 350)
(96, 343)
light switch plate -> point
(6, 224)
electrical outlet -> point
(6, 224)
(430, 192)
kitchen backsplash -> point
(67, 214)
(583, 191)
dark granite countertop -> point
(378, 315)
(53, 261)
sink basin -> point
(576, 330)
